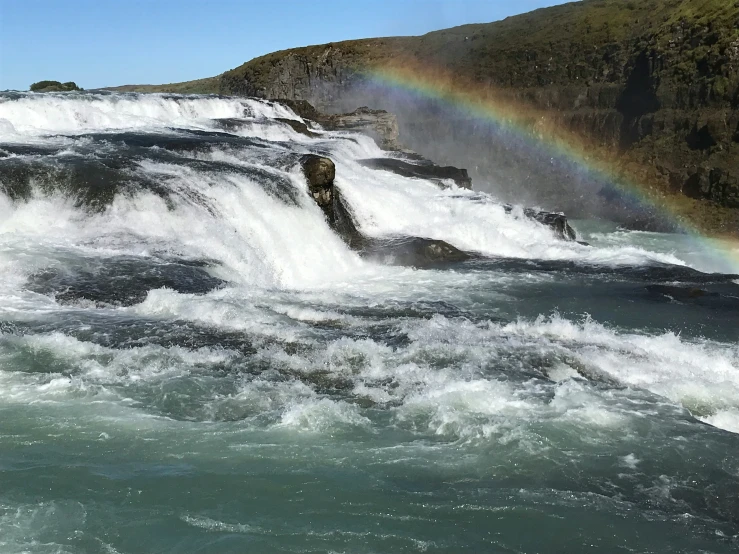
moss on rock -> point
(54, 86)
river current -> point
(191, 360)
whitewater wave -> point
(75, 113)
(440, 381)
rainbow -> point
(534, 129)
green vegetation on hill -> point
(54, 86)
(209, 85)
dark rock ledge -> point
(320, 173)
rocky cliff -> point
(652, 86)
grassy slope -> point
(209, 85)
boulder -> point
(556, 221)
(320, 173)
(412, 251)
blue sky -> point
(115, 42)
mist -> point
(513, 167)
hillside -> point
(650, 87)
(209, 85)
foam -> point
(323, 416)
(39, 527)
(701, 375)
(215, 525)
(77, 370)
(242, 235)
(724, 419)
(40, 114)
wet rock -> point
(320, 173)
(398, 250)
(230, 124)
(301, 108)
(556, 221)
(121, 280)
(422, 169)
(297, 126)
(412, 251)
(92, 183)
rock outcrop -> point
(54, 86)
(400, 250)
(378, 124)
(320, 173)
(297, 126)
(381, 125)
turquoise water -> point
(212, 370)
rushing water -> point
(192, 361)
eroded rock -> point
(320, 173)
